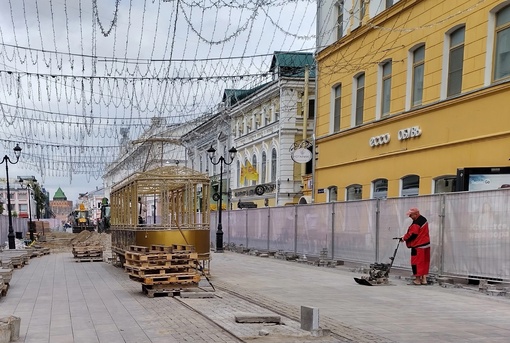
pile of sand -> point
(63, 241)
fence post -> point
(442, 210)
(377, 212)
(246, 226)
(295, 229)
(268, 226)
(332, 230)
(228, 224)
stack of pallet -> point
(164, 270)
(17, 258)
(38, 251)
(87, 252)
(5, 279)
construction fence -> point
(19, 226)
(469, 231)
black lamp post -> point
(7, 160)
(29, 187)
(221, 160)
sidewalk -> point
(394, 313)
(60, 300)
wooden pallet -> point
(3, 289)
(166, 290)
(147, 264)
(89, 259)
(159, 257)
(183, 248)
(160, 248)
(136, 256)
(138, 248)
(143, 272)
(176, 279)
(83, 255)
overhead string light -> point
(81, 71)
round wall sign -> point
(301, 155)
(259, 190)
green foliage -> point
(2, 208)
(40, 199)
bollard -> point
(5, 333)
(309, 318)
(13, 324)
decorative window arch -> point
(274, 162)
(263, 168)
(238, 169)
(254, 164)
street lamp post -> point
(221, 160)
(7, 160)
(29, 187)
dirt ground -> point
(59, 241)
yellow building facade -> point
(412, 97)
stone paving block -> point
(257, 318)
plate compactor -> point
(379, 272)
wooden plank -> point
(89, 259)
(176, 278)
(138, 248)
(158, 272)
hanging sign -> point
(300, 153)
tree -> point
(40, 200)
(2, 208)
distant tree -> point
(2, 208)
(40, 200)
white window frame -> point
(402, 185)
(333, 108)
(328, 193)
(443, 177)
(340, 17)
(491, 44)
(505, 27)
(355, 99)
(380, 88)
(353, 186)
(446, 59)
(373, 191)
(410, 76)
(263, 167)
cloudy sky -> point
(74, 72)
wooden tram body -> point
(182, 213)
